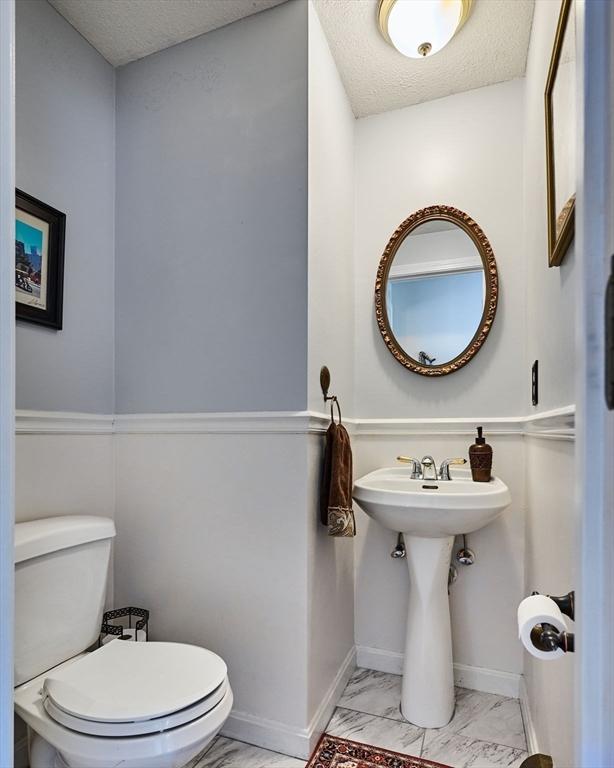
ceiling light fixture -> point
(420, 28)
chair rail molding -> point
(557, 424)
(263, 422)
(62, 423)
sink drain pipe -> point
(399, 550)
(464, 555)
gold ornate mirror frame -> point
(560, 223)
(466, 223)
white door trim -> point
(7, 371)
(594, 704)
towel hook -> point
(334, 400)
(325, 385)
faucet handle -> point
(444, 470)
(416, 468)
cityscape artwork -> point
(39, 261)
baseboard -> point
(527, 719)
(268, 734)
(327, 706)
(279, 737)
(21, 753)
(378, 659)
(487, 680)
(476, 678)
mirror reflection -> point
(435, 292)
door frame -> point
(7, 372)
(594, 705)
(595, 425)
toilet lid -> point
(126, 681)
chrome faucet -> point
(427, 469)
(416, 468)
(429, 466)
(444, 470)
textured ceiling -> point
(490, 48)
(125, 30)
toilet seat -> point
(130, 689)
(139, 727)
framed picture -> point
(39, 261)
(560, 104)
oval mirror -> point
(436, 291)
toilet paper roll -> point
(539, 609)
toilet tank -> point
(61, 566)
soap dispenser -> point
(480, 459)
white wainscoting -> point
(250, 726)
(211, 537)
(68, 471)
(327, 706)
(277, 736)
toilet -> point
(129, 704)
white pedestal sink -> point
(429, 514)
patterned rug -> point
(333, 752)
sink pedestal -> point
(429, 515)
(427, 697)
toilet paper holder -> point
(566, 603)
(546, 637)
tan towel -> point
(336, 492)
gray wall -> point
(211, 246)
(65, 131)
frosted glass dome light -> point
(420, 28)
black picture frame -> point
(46, 308)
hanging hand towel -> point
(336, 494)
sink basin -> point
(429, 513)
(429, 507)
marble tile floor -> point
(485, 732)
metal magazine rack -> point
(137, 616)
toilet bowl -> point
(129, 704)
(79, 716)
